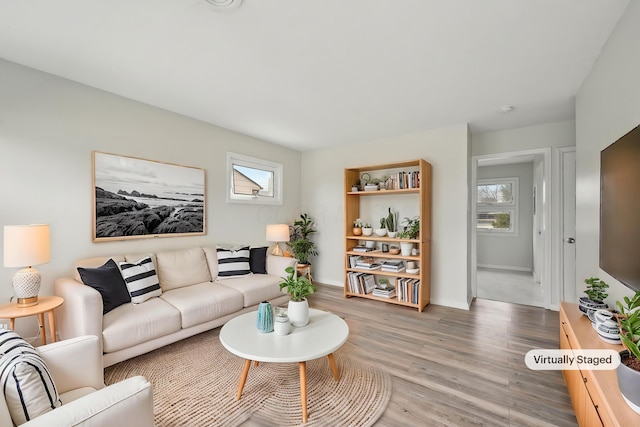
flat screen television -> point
(620, 209)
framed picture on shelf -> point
(136, 198)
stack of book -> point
(384, 293)
(367, 263)
(361, 283)
(407, 290)
(362, 249)
(392, 265)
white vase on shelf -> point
(406, 248)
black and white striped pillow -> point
(141, 280)
(233, 263)
(27, 383)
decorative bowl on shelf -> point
(413, 270)
(394, 251)
(371, 187)
(381, 232)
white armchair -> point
(76, 367)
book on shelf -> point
(367, 263)
(361, 283)
(407, 290)
(391, 269)
(362, 249)
(384, 293)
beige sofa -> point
(194, 299)
(76, 368)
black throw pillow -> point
(258, 260)
(107, 280)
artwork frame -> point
(136, 198)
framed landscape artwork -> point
(135, 198)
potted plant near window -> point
(410, 230)
(298, 288)
(302, 247)
(628, 371)
(595, 296)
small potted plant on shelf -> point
(298, 288)
(382, 231)
(367, 230)
(410, 230)
(595, 296)
(628, 371)
(357, 227)
(392, 223)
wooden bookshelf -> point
(352, 206)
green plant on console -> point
(629, 320)
(411, 228)
(595, 289)
(298, 287)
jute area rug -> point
(195, 382)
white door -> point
(538, 179)
(569, 225)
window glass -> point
(253, 180)
(497, 206)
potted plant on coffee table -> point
(628, 371)
(595, 296)
(298, 288)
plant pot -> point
(298, 312)
(357, 231)
(381, 232)
(586, 305)
(392, 234)
(367, 231)
(629, 383)
(370, 244)
(406, 248)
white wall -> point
(48, 128)
(607, 107)
(447, 150)
(515, 252)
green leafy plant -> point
(298, 287)
(357, 223)
(595, 289)
(301, 245)
(629, 321)
(411, 228)
(367, 225)
(383, 222)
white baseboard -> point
(505, 267)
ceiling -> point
(312, 74)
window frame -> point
(254, 163)
(513, 207)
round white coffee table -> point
(324, 334)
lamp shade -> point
(277, 233)
(26, 245)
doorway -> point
(511, 251)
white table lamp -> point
(25, 246)
(277, 233)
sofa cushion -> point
(132, 324)
(232, 263)
(107, 280)
(255, 288)
(203, 302)
(27, 384)
(212, 261)
(141, 280)
(93, 263)
(182, 268)
(258, 260)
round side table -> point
(45, 304)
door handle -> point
(570, 240)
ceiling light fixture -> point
(505, 109)
(225, 5)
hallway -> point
(517, 287)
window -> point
(497, 206)
(253, 180)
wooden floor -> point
(454, 367)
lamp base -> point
(276, 250)
(27, 302)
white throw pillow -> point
(27, 384)
(233, 263)
(141, 279)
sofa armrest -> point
(127, 403)
(81, 313)
(75, 363)
(277, 264)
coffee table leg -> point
(303, 390)
(334, 368)
(243, 378)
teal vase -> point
(264, 321)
